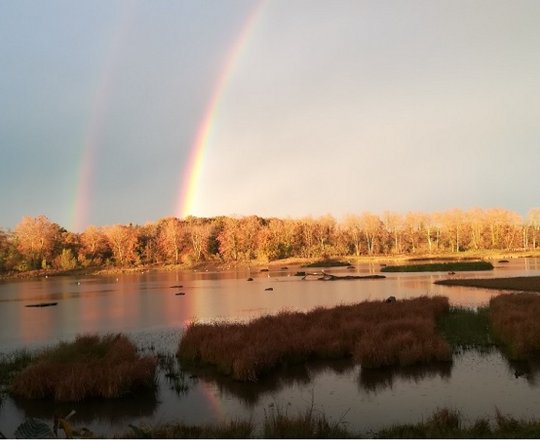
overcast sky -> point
(328, 107)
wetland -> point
(478, 381)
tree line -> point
(38, 243)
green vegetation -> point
(374, 333)
(441, 267)
(446, 423)
(466, 328)
(328, 263)
(91, 366)
(531, 284)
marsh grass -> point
(447, 423)
(11, 364)
(328, 263)
(278, 424)
(441, 267)
(232, 429)
(531, 284)
(466, 328)
(91, 366)
(443, 423)
(516, 324)
(374, 333)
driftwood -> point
(323, 276)
(42, 304)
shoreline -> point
(272, 265)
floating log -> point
(50, 304)
(323, 276)
(264, 270)
(269, 289)
(177, 287)
(180, 293)
(504, 261)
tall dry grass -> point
(515, 322)
(374, 333)
(91, 366)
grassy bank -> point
(91, 366)
(443, 423)
(531, 284)
(374, 333)
(449, 424)
(441, 267)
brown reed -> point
(514, 321)
(375, 333)
(91, 366)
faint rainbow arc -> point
(94, 129)
(187, 192)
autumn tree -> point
(8, 252)
(371, 226)
(354, 233)
(123, 242)
(37, 238)
(533, 224)
(170, 239)
(393, 223)
(197, 233)
(94, 246)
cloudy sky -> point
(308, 107)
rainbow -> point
(188, 189)
(94, 130)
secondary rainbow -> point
(98, 111)
(187, 193)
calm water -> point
(145, 306)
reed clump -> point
(278, 424)
(514, 321)
(91, 366)
(374, 333)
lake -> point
(145, 306)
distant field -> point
(441, 267)
(529, 284)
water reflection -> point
(528, 370)
(373, 380)
(250, 393)
(117, 411)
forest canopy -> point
(38, 243)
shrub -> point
(91, 366)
